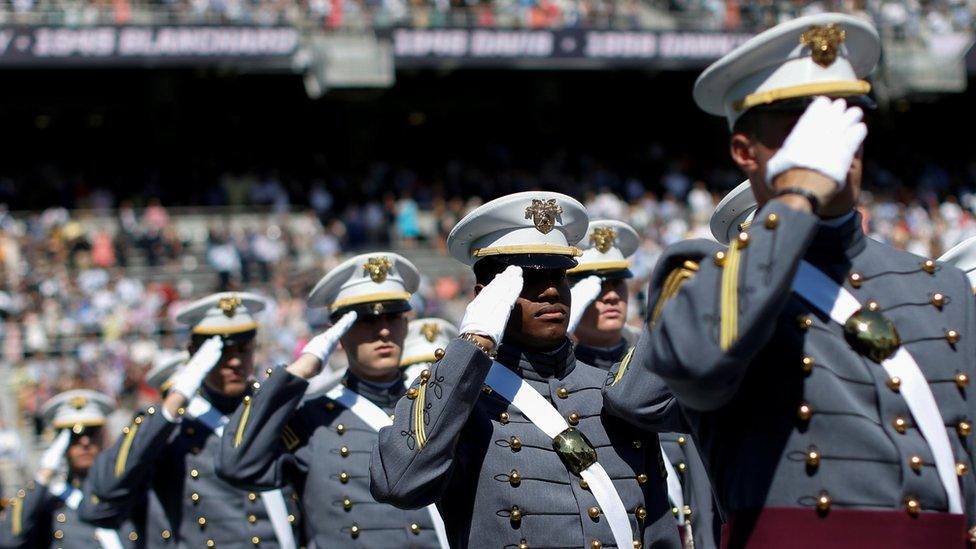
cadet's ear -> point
(477, 289)
(743, 153)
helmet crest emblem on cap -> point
(229, 304)
(603, 238)
(78, 402)
(823, 43)
(378, 267)
(430, 330)
(543, 214)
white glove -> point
(488, 313)
(188, 380)
(322, 345)
(584, 292)
(825, 139)
(54, 455)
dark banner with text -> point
(567, 48)
(144, 46)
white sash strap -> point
(71, 496)
(274, 501)
(834, 300)
(376, 418)
(675, 494)
(540, 412)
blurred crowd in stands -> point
(89, 295)
(904, 19)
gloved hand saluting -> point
(824, 139)
(488, 313)
(53, 457)
(323, 345)
(188, 380)
(584, 293)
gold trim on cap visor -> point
(225, 330)
(599, 266)
(417, 359)
(369, 298)
(66, 423)
(518, 249)
(837, 88)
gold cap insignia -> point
(378, 267)
(430, 330)
(543, 214)
(228, 305)
(823, 42)
(78, 402)
(603, 238)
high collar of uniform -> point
(837, 242)
(538, 365)
(384, 395)
(601, 357)
(223, 403)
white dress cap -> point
(223, 314)
(734, 213)
(534, 229)
(825, 54)
(77, 409)
(370, 284)
(607, 247)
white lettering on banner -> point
(511, 44)
(621, 44)
(446, 43)
(63, 42)
(685, 44)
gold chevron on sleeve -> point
(623, 366)
(289, 437)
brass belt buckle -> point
(574, 449)
(872, 334)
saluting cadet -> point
(424, 337)
(45, 514)
(518, 453)
(825, 375)
(598, 322)
(321, 446)
(167, 453)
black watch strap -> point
(805, 193)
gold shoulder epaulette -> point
(672, 284)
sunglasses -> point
(93, 432)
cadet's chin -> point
(234, 388)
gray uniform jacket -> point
(679, 449)
(787, 413)
(495, 476)
(39, 518)
(322, 449)
(171, 466)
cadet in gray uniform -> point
(519, 453)
(320, 446)
(598, 321)
(167, 453)
(826, 376)
(45, 514)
